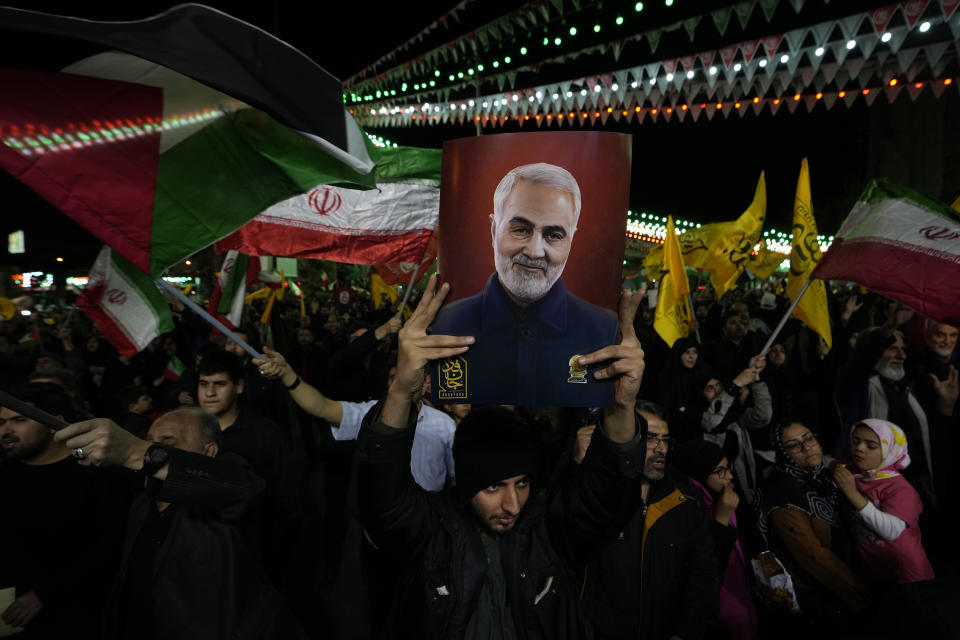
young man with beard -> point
(63, 524)
(262, 443)
(658, 577)
(491, 557)
(526, 324)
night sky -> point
(704, 171)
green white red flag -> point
(157, 164)
(227, 300)
(124, 303)
(389, 224)
(403, 272)
(174, 369)
(902, 244)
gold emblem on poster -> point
(453, 379)
(578, 372)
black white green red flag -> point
(157, 164)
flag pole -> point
(200, 311)
(693, 316)
(406, 294)
(786, 316)
(31, 412)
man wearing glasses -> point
(658, 575)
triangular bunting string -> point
(744, 10)
(769, 7)
(721, 18)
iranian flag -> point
(203, 123)
(407, 272)
(391, 223)
(237, 273)
(124, 303)
(902, 244)
(174, 369)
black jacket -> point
(436, 546)
(206, 584)
(658, 578)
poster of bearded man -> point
(531, 241)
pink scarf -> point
(735, 604)
(893, 445)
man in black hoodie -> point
(491, 555)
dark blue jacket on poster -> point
(523, 356)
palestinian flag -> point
(902, 244)
(174, 369)
(226, 302)
(157, 164)
(390, 224)
(124, 303)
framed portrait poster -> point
(531, 240)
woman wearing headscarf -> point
(886, 507)
(678, 391)
(710, 471)
(800, 518)
(783, 381)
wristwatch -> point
(155, 457)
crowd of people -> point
(320, 491)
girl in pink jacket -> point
(886, 508)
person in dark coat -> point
(187, 572)
(62, 524)
(680, 389)
(490, 557)
(657, 578)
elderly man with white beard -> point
(529, 328)
(873, 383)
(934, 366)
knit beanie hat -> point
(697, 458)
(491, 444)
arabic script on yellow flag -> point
(722, 248)
(731, 249)
(812, 309)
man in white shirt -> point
(431, 461)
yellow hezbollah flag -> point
(672, 318)
(804, 256)
(730, 251)
(765, 262)
(956, 204)
(381, 291)
(695, 246)
(721, 247)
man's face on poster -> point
(532, 238)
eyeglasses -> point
(722, 471)
(795, 445)
(653, 441)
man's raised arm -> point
(619, 421)
(305, 395)
(416, 349)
